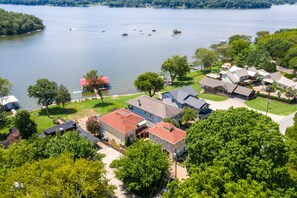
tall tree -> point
(95, 83)
(244, 140)
(238, 37)
(176, 66)
(63, 95)
(188, 116)
(149, 82)
(293, 64)
(206, 57)
(5, 87)
(44, 91)
(25, 124)
(58, 177)
(236, 47)
(142, 166)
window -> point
(153, 136)
(161, 140)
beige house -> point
(170, 137)
(122, 124)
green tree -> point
(260, 35)
(176, 66)
(149, 82)
(239, 37)
(277, 47)
(95, 83)
(236, 47)
(25, 124)
(93, 125)
(63, 95)
(244, 141)
(44, 91)
(171, 121)
(142, 166)
(5, 87)
(293, 64)
(2, 117)
(188, 116)
(206, 57)
(58, 177)
(290, 93)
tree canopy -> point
(234, 150)
(5, 87)
(12, 23)
(95, 82)
(142, 166)
(149, 82)
(63, 95)
(57, 177)
(25, 124)
(176, 66)
(206, 57)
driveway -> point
(236, 102)
(286, 122)
(110, 155)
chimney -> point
(139, 104)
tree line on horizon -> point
(12, 23)
(228, 4)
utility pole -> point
(175, 161)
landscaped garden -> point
(275, 107)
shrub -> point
(93, 125)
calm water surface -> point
(65, 56)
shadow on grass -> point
(58, 111)
(102, 105)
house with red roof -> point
(171, 138)
(121, 124)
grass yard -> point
(275, 107)
(76, 110)
(193, 79)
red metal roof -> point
(84, 82)
(122, 120)
(168, 132)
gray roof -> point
(195, 102)
(217, 83)
(276, 76)
(182, 93)
(241, 72)
(155, 107)
(232, 77)
(285, 70)
(243, 91)
(69, 125)
(254, 69)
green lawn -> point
(193, 79)
(77, 110)
(275, 107)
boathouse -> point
(102, 81)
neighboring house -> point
(61, 128)
(153, 110)
(9, 102)
(240, 76)
(227, 89)
(170, 137)
(122, 124)
(280, 81)
(187, 97)
(284, 70)
(103, 81)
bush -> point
(292, 101)
(93, 125)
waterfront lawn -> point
(193, 79)
(77, 110)
(275, 107)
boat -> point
(103, 31)
(149, 34)
(153, 30)
(125, 34)
(175, 32)
(103, 81)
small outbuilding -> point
(61, 128)
(9, 102)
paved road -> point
(286, 122)
(236, 102)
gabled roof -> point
(241, 72)
(69, 125)
(232, 77)
(217, 83)
(197, 103)
(287, 82)
(254, 69)
(243, 91)
(275, 76)
(284, 70)
(122, 120)
(8, 99)
(234, 68)
(102, 79)
(168, 132)
(182, 93)
(155, 107)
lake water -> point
(65, 56)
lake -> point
(65, 56)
